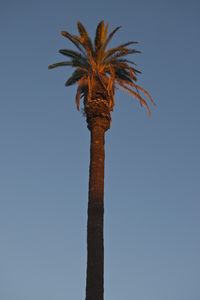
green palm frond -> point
(73, 63)
(105, 33)
(124, 60)
(127, 44)
(76, 76)
(85, 39)
(99, 41)
(126, 72)
(71, 53)
(99, 35)
(74, 39)
(123, 74)
(118, 52)
(124, 63)
(110, 36)
(76, 57)
(82, 30)
(61, 64)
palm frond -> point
(73, 63)
(70, 53)
(77, 58)
(60, 64)
(118, 52)
(110, 36)
(144, 91)
(136, 95)
(78, 98)
(79, 93)
(99, 35)
(84, 38)
(74, 39)
(76, 76)
(123, 74)
(127, 44)
(124, 53)
(105, 33)
(124, 60)
(126, 71)
(82, 30)
(111, 83)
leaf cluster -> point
(95, 64)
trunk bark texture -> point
(95, 240)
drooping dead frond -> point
(145, 92)
(80, 92)
(137, 96)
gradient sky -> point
(152, 187)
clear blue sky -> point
(152, 189)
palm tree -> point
(98, 72)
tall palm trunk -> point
(95, 240)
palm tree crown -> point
(98, 70)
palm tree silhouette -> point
(98, 72)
